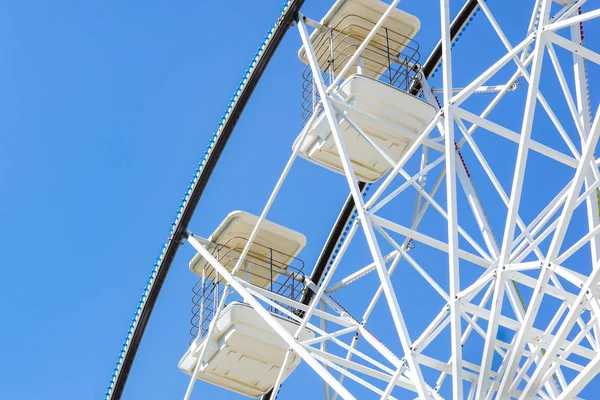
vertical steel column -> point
(583, 109)
(538, 293)
(362, 213)
(513, 209)
(449, 148)
(348, 208)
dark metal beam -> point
(123, 369)
(455, 28)
(287, 18)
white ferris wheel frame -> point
(501, 262)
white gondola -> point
(495, 294)
(270, 254)
(244, 354)
(391, 117)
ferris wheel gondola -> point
(516, 313)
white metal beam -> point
(573, 47)
(451, 204)
(483, 78)
(573, 20)
(428, 240)
(581, 380)
(515, 137)
(363, 215)
(515, 199)
(557, 239)
(269, 319)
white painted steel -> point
(245, 354)
(374, 133)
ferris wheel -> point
(482, 280)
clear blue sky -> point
(105, 110)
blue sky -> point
(105, 110)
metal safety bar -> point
(286, 280)
(399, 69)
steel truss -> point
(553, 359)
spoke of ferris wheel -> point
(367, 227)
(264, 295)
(414, 264)
(505, 199)
(573, 20)
(585, 118)
(468, 188)
(580, 90)
(269, 319)
(413, 182)
(451, 201)
(565, 89)
(566, 326)
(495, 182)
(488, 109)
(497, 98)
(483, 78)
(367, 313)
(525, 74)
(573, 47)
(517, 184)
(515, 137)
(392, 268)
(552, 254)
(567, 11)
